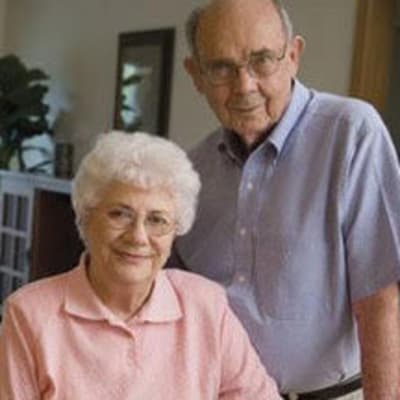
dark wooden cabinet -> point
(38, 237)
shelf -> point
(43, 182)
(12, 272)
(38, 236)
(13, 232)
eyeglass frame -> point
(268, 54)
(132, 218)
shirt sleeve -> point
(243, 375)
(17, 367)
(372, 217)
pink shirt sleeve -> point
(243, 375)
(17, 370)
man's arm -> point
(378, 330)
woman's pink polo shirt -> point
(58, 341)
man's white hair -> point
(142, 160)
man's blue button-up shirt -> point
(299, 229)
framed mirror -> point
(144, 74)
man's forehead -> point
(227, 11)
(223, 6)
(240, 41)
(231, 25)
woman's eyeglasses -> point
(156, 223)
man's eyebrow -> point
(266, 52)
(262, 52)
(220, 61)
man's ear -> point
(193, 69)
(296, 50)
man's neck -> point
(246, 148)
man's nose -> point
(244, 81)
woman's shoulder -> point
(194, 287)
(41, 294)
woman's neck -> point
(123, 301)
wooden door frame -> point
(373, 51)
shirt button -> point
(241, 278)
(242, 232)
(250, 186)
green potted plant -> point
(22, 108)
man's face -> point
(229, 35)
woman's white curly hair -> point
(140, 159)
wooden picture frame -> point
(143, 84)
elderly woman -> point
(116, 326)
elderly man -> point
(299, 211)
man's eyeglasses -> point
(260, 65)
(156, 223)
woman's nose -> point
(138, 232)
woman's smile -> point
(133, 257)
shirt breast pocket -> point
(291, 277)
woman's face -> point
(129, 234)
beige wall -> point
(75, 42)
(328, 28)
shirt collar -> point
(298, 102)
(163, 304)
(299, 99)
(81, 300)
(231, 143)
